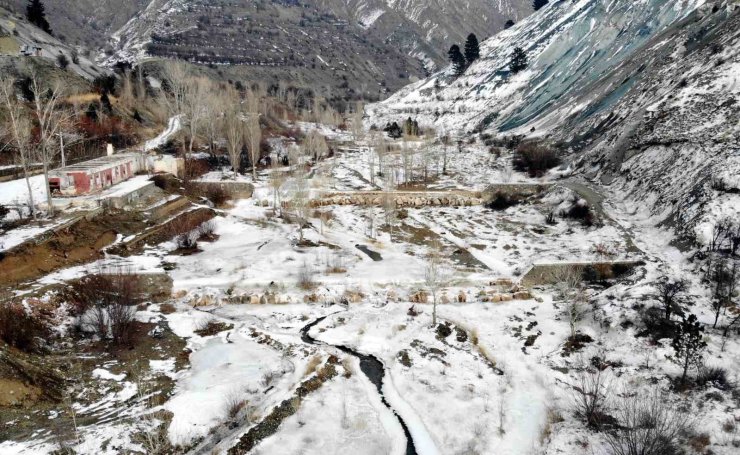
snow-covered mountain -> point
(646, 92)
(569, 45)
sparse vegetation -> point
(106, 302)
(20, 329)
(648, 425)
(535, 158)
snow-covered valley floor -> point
(490, 378)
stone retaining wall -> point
(235, 190)
(402, 198)
(551, 273)
(515, 189)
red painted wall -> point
(82, 182)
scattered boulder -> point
(419, 297)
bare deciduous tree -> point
(576, 309)
(358, 131)
(315, 145)
(725, 278)
(19, 131)
(51, 119)
(591, 395)
(648, 425)
(195, 103)
(435, 276)
(301, 192)
(234, 129)
(253, 134)
(277, 180)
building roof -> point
(103, 162)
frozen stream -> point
(373, 369)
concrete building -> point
(95, 175)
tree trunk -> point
(434, 309)
(46, 185)
(685, 369)
(32, 204)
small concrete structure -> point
(552, 272)
(95, 175)
(157, 164)
(129, 195)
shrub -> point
(502, 201)
(234, 405)
(656, 325)
(580, 211)
(305, 277)
(62, 61)
(210, 327)
(108, 303)
(161, 181)
(186, 241)
(535, 158)
(648, 425)
(713, 376)
(19, 328)
(217, 195)
(207, 231)
(195, 168)
(443, 331)
(590, 396)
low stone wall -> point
(131, 198)
(515, 189)
(235, 190)
(402, 198)
(165, 210)
(553, 273)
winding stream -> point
(372, 368)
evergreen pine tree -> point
(518, 60)
(472, 49)
(457, 59)
(508, 24)
(688, 344)
(537, 4)
(36, 14)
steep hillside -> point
(356, 46)
(569, 45)
(670, 144)
(269, 41)
(646, 92)
(426, 28)
(87, 23)
(26, 36)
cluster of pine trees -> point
(36, 14)
(460, 61)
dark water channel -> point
(372, 368)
